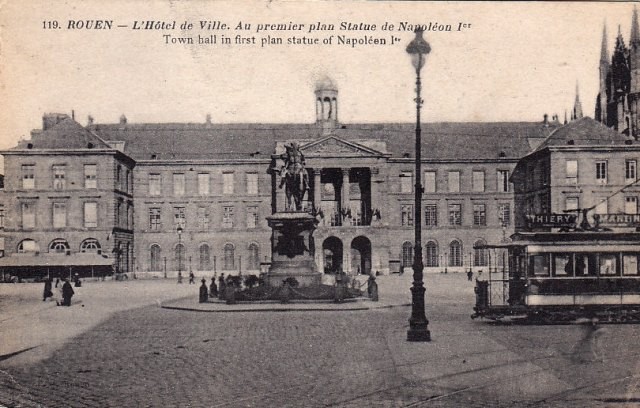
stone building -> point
(197, 194)
(618, 102)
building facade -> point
(193, 197)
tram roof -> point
(593, 239)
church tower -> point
(326, 104)
(602, 98)
(577, 106)
(618, 85)
(634, 73)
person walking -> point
(47, 293)
(67, 293)
(213, 288)
(192, 278)
(222, 286)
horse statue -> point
(294, 177)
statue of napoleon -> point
(294, 177)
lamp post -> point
(418, 323)
(179, 231)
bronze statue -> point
(294, 177)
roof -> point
(64, 135)
(451, 141)
(584, 132)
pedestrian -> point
(47, 293)
(372, 288)
(192, 278)
(57, 282)
(204, 296)
(67, 293)
(213, 288)
(179, 277)
(470, 275)
(222, 286)
(589, 349)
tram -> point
(563, 276)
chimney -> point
(123, 119)
(89, 120)
(208, 119)
(49, 120)
(546, 120)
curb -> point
(283, 309)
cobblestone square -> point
(115, 347)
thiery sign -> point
(551, 220)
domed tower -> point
(326, 104)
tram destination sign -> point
(551, 220)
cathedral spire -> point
(635, 30)
(577, 106)
(604, 51)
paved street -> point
(121, 349)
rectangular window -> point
(227, 183)
(562, 265)
(155, 219)
(572, 171)
(180, 217)
(608, 264)
(155, 184)
(572, 203)
(455, 214)
(28, 176)
(90, 215)
(28, 215)
(431, 215)
(630, 264)
(429, 181)
(539, 265)
(178, 184)
(406, 182)
(1, 216)
(453, 180)
(504, 214)
(631, 205)
(503, 181)
(90, 173)
(479, 215)
(58, 177)
(227, 216)
(59, 215)
(203, 183)
(601, 172)
(630, 174)
(478, 181)
(407, 215)
(203, 218)
(252, 217)
(252, 183)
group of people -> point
(66, 291)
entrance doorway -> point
(332, 253)
(361, 255)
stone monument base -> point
(292, 249)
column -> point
(373, 188)
(317, 193)
(274, 192)
(344, 203)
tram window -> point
(539, 265)
(608, 264)
(585, 265)
(562, 265)
(630, 264)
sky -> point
(513, 61)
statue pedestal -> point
(292, 249)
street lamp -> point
(179, 231)
(418, 323)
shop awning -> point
(24, 260)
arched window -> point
(205, 258)
(28, 245)
(229, 257)
(90, 245)
(455, 253)
(254, 257)
(479, 255)
(431, 254)
(179, 258)
(59, 246)
(407, 254)
(155, 253)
